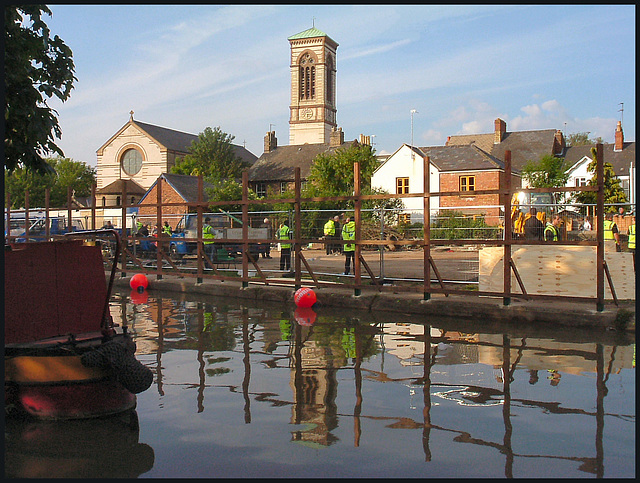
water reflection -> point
(376, 394)
(107, 447)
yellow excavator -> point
(521, 202)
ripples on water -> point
(257, 390)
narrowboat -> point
(64, 356)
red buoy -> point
(305, 316)
(305, 297)
(138, 281)
(139, 297)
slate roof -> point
(620, 160)
(181, 141)
(115, 188)
(461, 158)
(524, 145)
(186, 186)
(280, 164)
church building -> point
(313, 128)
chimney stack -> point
(270, 142)
(619, 137)
(500, 131)
(337, 137)
(558, 143)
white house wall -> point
(402, 164)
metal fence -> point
(377, 230)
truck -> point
(223, 229)
(16, 228)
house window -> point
(581, 182)
(117, 201)
(261, 189)
(467, 183)
(133, 200)
(131, 161)
(402, 186)
(283, 186)
(104, 201)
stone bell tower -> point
(313, 87)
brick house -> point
(176, 188)
(453, 168)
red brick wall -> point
(484, 180)
(147, 214)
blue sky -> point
(187, 67)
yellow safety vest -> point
(207, 234)
(330, 228)
(552, 228)
(349, 233)
(632, 237)
(283, 234)
(608, 230)
(167, 229)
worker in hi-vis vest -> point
(284, 235)
(611, 232)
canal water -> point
(257, 390)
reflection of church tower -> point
(313, 87)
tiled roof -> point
(307, 34)
(620, 160)
(461, 158)
(524, 145)
(186, 186)
(181, 141)
(115, 188)
(280, 164)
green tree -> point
(581, 139)
(229, 190)
(613, 192)
(36, 68)
(213, 156)
(548, 172)
(63, 173)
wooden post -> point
(600, 229)
(47, 218)
(93, 206)
(199, 220)
(507, 229)
(358, 220)
(245, 229)
(297, 229)
(26, 215)
(69, 196)
(426, 229)
(123, 224)
(8, 238)
(159, 246)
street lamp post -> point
(413, 111)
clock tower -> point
(313, 87)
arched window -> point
(307, 83)
(329, 80)
(133, 200)
(104, 201)
(117, 201)
(131, 161)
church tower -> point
(313, 87)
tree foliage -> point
(548, 172)
(229, 190)
(581, 139)
(36, 68)
(613, 192)
(213, 156)
(63, 173)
